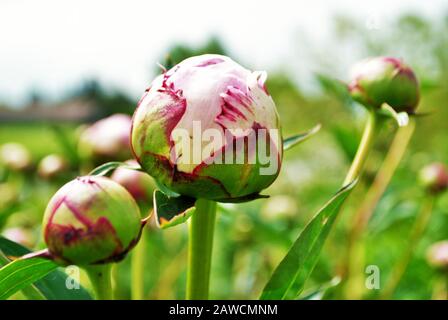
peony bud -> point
(438, 255)
(107, 138)
(379, 80)
(15, 156)
(139, 184)
(208, 128)
(91, 220)
(434, 177)
(51, 166)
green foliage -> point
(288, 279)
(50, 285)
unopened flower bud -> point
(434, 177)
(379, 80)
(51, 166)
(208, 128)
(107, 139)
(438, 255)
(139, 184)
(15, 156)
(91, 220)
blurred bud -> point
(20, 235)
(379, 80)
(15, 156)
(9, 195)
(91, 220)
(139, 184)
(203, 127)
(434, 177)
(52, 166)
(437, 255)
(107, 139)
(279, 207)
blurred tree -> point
(106, 101)
(180, 52)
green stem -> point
(101, 279)
(200, 247)
(363, 149)
(419, 227)
(137, 268)
(355, 259)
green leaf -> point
(171, 211)
(105, 168)
(167, 191)
(21, 273)
(289, 277)
(335, 87)
(53, 285)
(290, 142)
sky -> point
(51, 45)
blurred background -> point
(64, 66)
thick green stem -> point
(137, 268)
(202, 225)
(101, 279)
(417, 231)
(363, 149)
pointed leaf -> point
(105, 168)
(20, 273)
(290, 142)
(171, 211)
(167, 191)
(289, 277)
(52, 286)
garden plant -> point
(204, 141)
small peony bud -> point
(438, 255)
(139, 184)
(379, 80)
(15, 156)
(107, 139)
(434, 177)
(91, 220)
(51, 166)
(203, 129)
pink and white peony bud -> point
(379, 80)
(107, 138)
(91, 220)
(15, 156)
(51, 166)
(139, 184)
(208, 128)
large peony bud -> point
(91, 220)
(208, 128)
(107, 139)
(379, 80)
